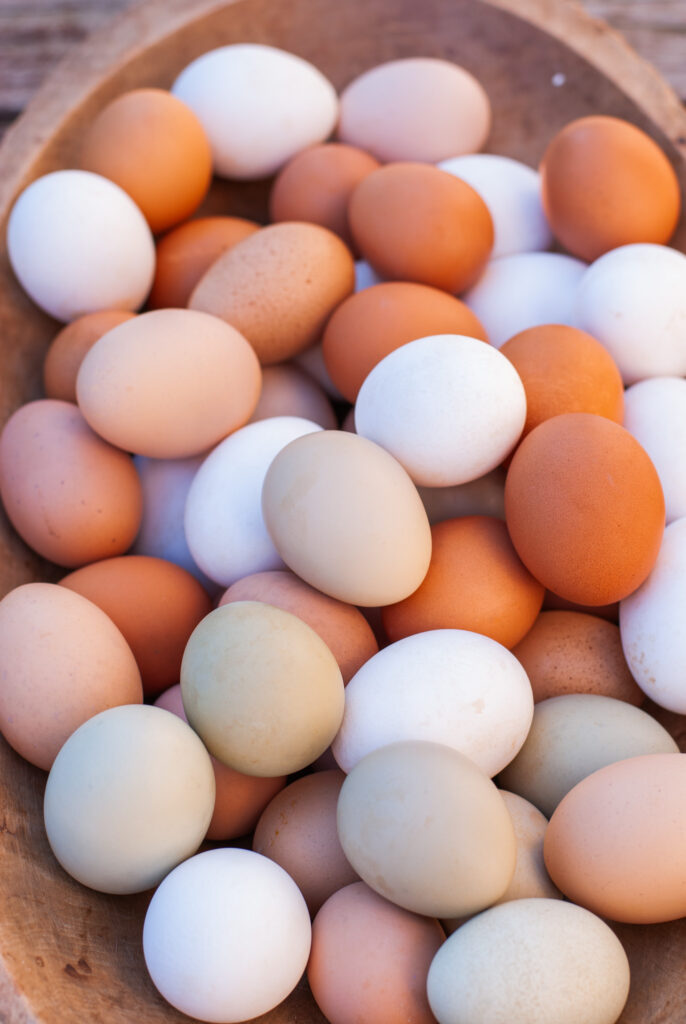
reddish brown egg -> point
(413, 222)
(69, 346)
(584, 508)
(605, 183)
(475, 581)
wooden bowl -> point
(68, 954)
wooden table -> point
(35, 34)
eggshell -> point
(71, 496)
(236, 924)
(417, 108)
(258, 105)
(615, 844)
(154, 603)
(289, 391)
(482, 497)
(475, 581)
(169, 384)
(186, 252)
(342, 627)
(55, 236)
(68, 348)
(297, 830)
(239, 799)
(655, 414)
(605, 183)
(553, 602)
(312, 362)
(650, 624)
(261, 688)
(64, 661)
(426, 829)
(523, 961)
(526, 290)
(370, 959)
(225, 530)
(317, 183)
(278, 287)
(153, 146)
(447, 407)
(511, 191)
(572, 652)
(346, 518)
(584, 508)
(633, 300)
(379, 319)
(563, 370)
(413, 222)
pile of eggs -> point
(333, 639)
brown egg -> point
(154, 603)
(370, 959)
(278, 287)
(555, 603)
(239, 799)
(475, 581)
(154, 147)
(186, 252)
(289, 391)
(564, 369)
(570, 652)
(298, 831)
(605, 183)
(342, 627)
(376, 321)
(584, 508)
(69, 346)
(413, 222)
(71, 496)
(317, 183)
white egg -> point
(512, 193)
(655, 413)
(525, 290)
(224, 526)
(633, 300)
(446, 686)
(449, 408)
(78, 244)
(227, 936)
(258, 105)
(484, 496)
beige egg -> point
(63, 661)
(426, 829)
(289, 391)
(345, 516)
(261, 688)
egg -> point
(376, 321)
(553, 602)
(615, 843)
(55, 244)
(475, 581)
(68, 348)
(370, 959)
(484, 496)
(289, 391)
(71, 496)
(278, 287)
(346, 518)
(605, 183)
(584, 508)
(416, 108)
(445, 686)
(312, 362)
(655, 414)
(64, 661)
(413, 222)
(169, 384)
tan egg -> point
(154, 147)
(289, 391)
(261, 688)
(298, 831)
(169, 384)
(71, 496)
(186, 252)
(69, 347)
(63, 661)
(342, 627)
(370, 959)
(278, 287)
(345, 516)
